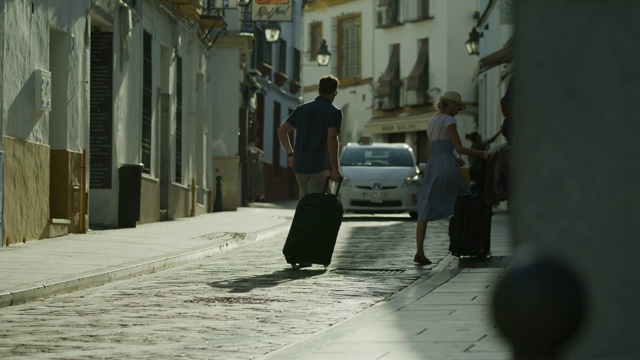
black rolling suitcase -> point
(470, 227)
(314, 229)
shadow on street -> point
(351, 217)
(246, 284)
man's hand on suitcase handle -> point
(336, 176)
(327, 185)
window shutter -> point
(413, 81)
(384, 89)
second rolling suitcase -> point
(314, 229)
(470, 227)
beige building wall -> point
(43, 122)
(26, 188)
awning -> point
(502, 56)
(385, 81)
(413, 81)
(398, 123)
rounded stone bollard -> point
(539, 305)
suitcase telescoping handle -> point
(326, 185)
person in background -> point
(442, 182)
(477, 165)
(314, 157)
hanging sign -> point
(271, 10)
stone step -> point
(59, 227)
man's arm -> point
(283, 135)
(333, 146)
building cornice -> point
(312, 5)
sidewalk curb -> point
(425, 284)
(127, 271)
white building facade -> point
(347, 27)
(419, 54)
(114, 113)
(394, 59)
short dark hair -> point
(328, 85)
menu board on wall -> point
(101, 110)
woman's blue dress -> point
(443, 181)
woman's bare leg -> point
(421, 232)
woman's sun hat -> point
(453, 97)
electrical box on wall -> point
(43, 90)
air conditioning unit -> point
(383, 17)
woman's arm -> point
(452, 131)
(494, 137)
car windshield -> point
(371, 156)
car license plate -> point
(375, 196)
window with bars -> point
(349, 46)
(315, 39)
(263, 48)
(282, 55)
(146, 104)
(416, 10)
(178, 160)
(276, 141)
(423, 9)
(388, 13)
(295, 72)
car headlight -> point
(411, 181)
(345, 181)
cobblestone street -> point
(239, 304)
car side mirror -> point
(422, 166)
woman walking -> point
(443, 181)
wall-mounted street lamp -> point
(272, 31)
(473, 44)
(324, 55)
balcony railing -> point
(399, 96)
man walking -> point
(317, 124)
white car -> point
(379, 178)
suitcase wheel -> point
(298, 266)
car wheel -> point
(413, 214)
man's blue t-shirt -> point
(312, 120)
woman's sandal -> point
(421, 259)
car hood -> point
(367, 173)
